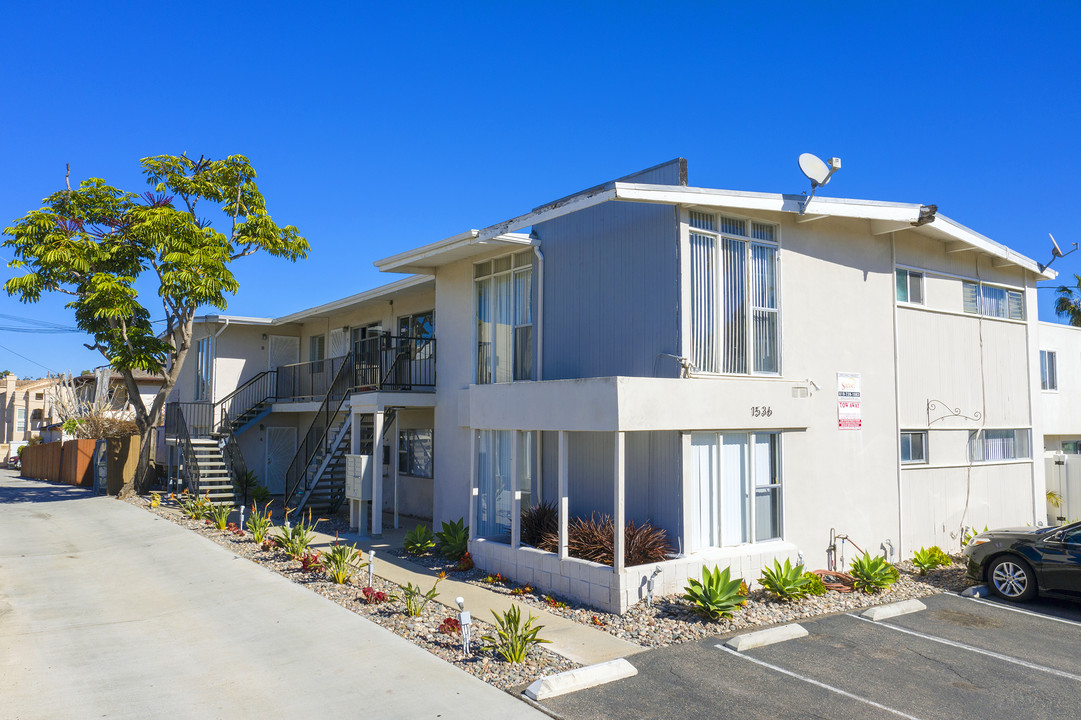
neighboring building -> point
(1060, 398)
(25, 408)
(750, 378)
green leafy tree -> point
(96, 242)
(1068, 302)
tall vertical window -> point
(735, 315)
(738, 481)
(495, 483)
(317, 352)
(1048, 370)
(503, 293)
(204, 369)
(910, 287)
(980, 299)
(20, 419)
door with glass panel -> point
(736, 486)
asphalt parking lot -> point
(959, 658)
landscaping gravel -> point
(423, 630)
(671, 619)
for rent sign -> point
(849, 413)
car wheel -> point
(1012, 578)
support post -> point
(377, 474)
(472, 510)
(516, 490)
(619, 501)
(395, 458)
(564, 499)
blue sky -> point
(379, 128)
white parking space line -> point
(816, 683)
(970, 648)
(1024, 612)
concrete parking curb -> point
(884, 612)
(761, 638)
(580, 679)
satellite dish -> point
(1056, 251)
(815, 170)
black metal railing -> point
(187, 452)
(318, 440)
(197, 417)
(306, 381)
(251, 394)
(395, 363)
(231, 452)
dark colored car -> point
(1018, 563)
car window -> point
(1072, 536)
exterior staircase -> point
(215, 480)
(325, 477)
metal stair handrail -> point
(310, 448)
(191, 463)
(230, 451)
(254, 392)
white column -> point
(618, 500)
(516, 491)
(377, 474)
(394, 460)
(564, 500)
(472, 511)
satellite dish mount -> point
(818, 173)
(1056, 253)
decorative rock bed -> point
(671, 619)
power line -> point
(2, 347)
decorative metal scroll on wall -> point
(948, 412)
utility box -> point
(358, 490)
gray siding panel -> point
(653, 477)
(611, 292)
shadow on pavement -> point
(13, 490)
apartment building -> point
(750, 372)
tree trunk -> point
(144, 474)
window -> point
(415, 453)
(735, 321)
(1071, 447)
(738, 481)
(991, 301)
(503, 292)
(1048, 370)
(39, 396)
(204, 369)
(991, 445)
(417, 329)
(20, 419)
(317, 352)
(910, 287)
(37, 415)
(914, 446)
(494, 483)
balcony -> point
(394, 363)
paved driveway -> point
(109, 611)
(959, 658)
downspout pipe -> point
(540, 307)
(222, 329)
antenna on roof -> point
(817, 172)
(1056, 253)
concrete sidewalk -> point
(107, 610)
(571, 639)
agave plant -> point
(419, 540)
(453, 539)
(930, 558)
(513, 639)
(873, 574)
(784, 581)
(717, 595)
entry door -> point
(720, 483)
(704, 528)
(283, 350)
(281, 446)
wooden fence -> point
(70, 462)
